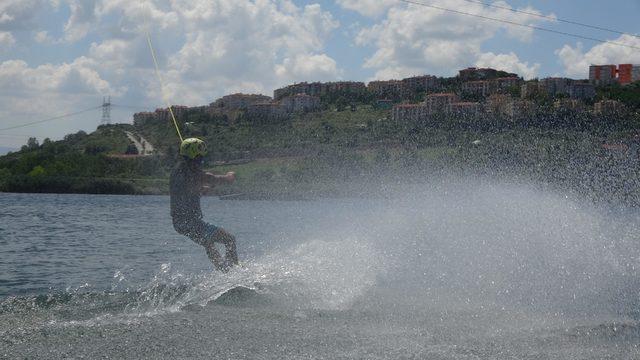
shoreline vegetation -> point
(576, 161)
(351, 147)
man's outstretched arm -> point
(213, 179)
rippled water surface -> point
(455, 270)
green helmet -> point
(192, 148)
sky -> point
(64, 56)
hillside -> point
(335, 153)
(349, 139)
(80, 163)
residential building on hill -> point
(529, 89)
(301, 103)
(476, 88)
(556, 87)
(602, 74)
(440, 102)
(484, 88)
(466, 108)
(610, 74)
(505, 105)
(569, 105)
(394, 89)
(498, 104)
(239, 101)
(582, 91)
(608, 107)
(313, 89)
(318, 88)
(503, 84)
(421, 83)
(628, 73)
(267, 112)
(346, 86)
(160, 114)
(415, 113)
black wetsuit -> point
(185, 185)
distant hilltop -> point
(473, 91)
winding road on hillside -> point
(144, 147)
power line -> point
(64, 116)
(521, 25)
(530, 13)
(17, 136)
(51, 118)
(127, 106)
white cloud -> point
(414, 39)
(19, 14)
(508, 62)
(78, 77)
(206, 48)
(308, 67)
(6, 40)
(576, 62)
(261, 44)
(371, 8)
(80, 21)
(43, 37)
(33, 93)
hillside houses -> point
(387, 89)
(160, 114)
(440, 103)
(318, 88)
(474, 92)
(301, 103)
(279, 110)
(555, 87)
(422, 83)
(484, 88)
(267, 112)
(239, 101)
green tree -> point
(5, 174)
(32, 144)
(131, 150)
(37, 171)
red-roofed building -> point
(301, 103)
(239, 101)
(466, 108)
(410, 113)
(267, 112)
(602, 74)
(440, 102)
(394, 89)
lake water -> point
(459, 269)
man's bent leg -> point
(229, 242)
(214, 256)
(203, 234)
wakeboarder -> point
(186, 183)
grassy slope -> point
(318, 153)
(79, 163)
